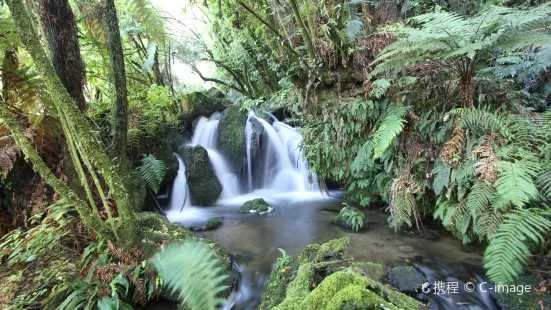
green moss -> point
(231, 139)
(526, 300)
(275, 289)
(333, 249)
(299, 288)
(368, 269)
(211, 224)
(256, 206)
(357, 297)
(203, 103)
(204, 186)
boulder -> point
(211, 224)
(204, 186)
(231, 138)
(406, 279)
(527, 292)
(203, 103)
(256, 206)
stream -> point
(300, 219)
(276, 171)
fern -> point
(152, 171)
(192, 272)
(481, 118)
(391, 126)
(515, 183)
(508, 251)
(353, 30)
(378, 88)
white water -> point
(281, 167)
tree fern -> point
(508, 251)
(152, 171)
(481, 118)
(353, 29)
(391, 126)
(192, 272)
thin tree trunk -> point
(120, 114)
(60, 27)
(303, 30)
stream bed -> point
(300, 219)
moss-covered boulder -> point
(211, 224)
(406, 279)
(203, 103)
(258, 205)
(312, 280)
(351, 218)
(231, 137)
(204, 186)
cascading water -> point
(281, 168)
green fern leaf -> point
(152, 171)
(191, 271)
(508, 251)
(515, 183)
(390, 128)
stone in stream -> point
(406, 279)
(231, 137)
(211, 224)
(203, 103)
(258, 205)
(204, 186)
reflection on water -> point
(300, 219)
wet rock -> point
(231, 138)
(517, 296)
(351, 218)
(258, 205)
(256, 134)
(164, 152)
(211, 224)
(204, 186)
(406, 279)
(203, 103)
(406, 249)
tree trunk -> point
(305, 36)
(120, 114)
(60, 28)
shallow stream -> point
(300, 219)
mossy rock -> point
(204, 186)
(203, 103)
(342, 219)
(527, 300)
(258, 205)
(304, 282)
(406, 279)
(163, 151)
(231, 137)
(211, 224)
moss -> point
(299, 288)
(275, 288)
(211, 224)
(357, 297)
(256, 206)
(231, 139)
(333, 249)
(526, 300)
(323, 295)
(204, 186)
(203, 103)
(368, 269)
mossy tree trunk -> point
(120, 114)
(60, 28)
(87, 149)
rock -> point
(203, 103)
(516, 295)
(164, 152)
(258, 205)
(406, 249)
(349, 215)
(231, 138)
(204, 186)
(406, 279)
(211, 224)
(256, 135)
(304, 282)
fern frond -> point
(152, 171)
(508, 251)
(353, 29)
(481, 118)
(390, 128)
(191, 271)
(516, 182)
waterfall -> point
(180, 193)
(276, 164)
